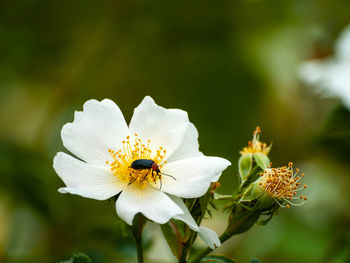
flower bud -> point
(255, 150)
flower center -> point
(133, 150)
(282, 183)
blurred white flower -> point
(331, 75)
(151, 164)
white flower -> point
(331, 75)
(107, 150)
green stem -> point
(139, 248)
(186, 246)
(137, 229)
(183, 256)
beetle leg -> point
(132, 181)
(153, 176)
(145, 177)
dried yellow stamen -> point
(282, 184)
(255, 146)
(214, 186)
(134, 149)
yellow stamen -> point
(282, 183)
(255, 146)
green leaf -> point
(78, 258)
(262, 160)
(254, 260)
(217, 259)
(172, 236)
(245, 163)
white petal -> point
(189, 146)
(343, 45)
(84, 179)
(209, 237)
(164, 127)
(315, 72)
(97, 128)
(153, 204)
(331, 78)
(186, 216)
(193, 175)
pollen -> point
(255, 145)
(135, 149)
(283, 184)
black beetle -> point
(150, 165)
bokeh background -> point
(231, 65)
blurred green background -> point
(230, 64)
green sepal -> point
(78, 258)
(241, 219)
(222, 197)
(254, 191)
(217, 259)
(265, 202)
(268, 216)
(245, 164)
(203, 202)
(262, 160)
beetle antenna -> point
(169, 176)
(160, 185)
